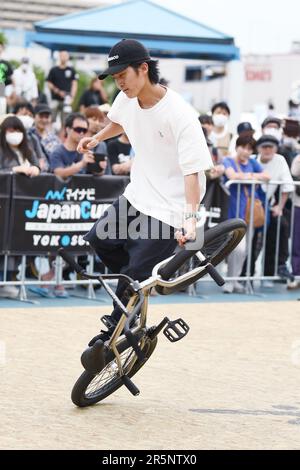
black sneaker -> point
(285, 274)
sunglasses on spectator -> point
(80, 130)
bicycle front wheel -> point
(219, 242)
(92, 388)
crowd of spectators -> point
(273, 156)
(31, 143)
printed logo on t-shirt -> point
(161, 134)
(123, 158)
(68, 73)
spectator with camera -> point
(95, 118)
(65, 161)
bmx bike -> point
(111, 364)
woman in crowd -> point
(15, 152)
(242, 167)
(94, 96)
(17, 156)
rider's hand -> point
(87, 143)
(188, 233)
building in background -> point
(21, 14)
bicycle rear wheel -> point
(92, 388)
(219, 242)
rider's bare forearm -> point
(192, 192)
(111, 130)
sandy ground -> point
(232, 383)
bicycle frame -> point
(144, 289)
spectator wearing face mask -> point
(15, 153)
(275, 164)
(220, 135)
(16, 156)
(272, 126)
(25, 82)
(24, 111)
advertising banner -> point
(47, 212)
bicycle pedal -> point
(176, 330)
(108, 321)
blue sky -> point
(258, 26)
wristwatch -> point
(192, 215)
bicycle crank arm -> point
(155, 330)
(130, 385)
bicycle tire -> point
(79, 397)
(219, 242)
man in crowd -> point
(65, 161)
(62, 82)
(25, 83)
(275, 165)
(42, 130)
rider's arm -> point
(192, 192)
(111, 130)
(192, 201)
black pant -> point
(123, 238)
(270, 248)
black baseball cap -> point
(244, 127)
(42, 109)
(267, 141)
(123, 54)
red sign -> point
(257, 74)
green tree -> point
(3, 38)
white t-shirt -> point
(278, 170)
(168, 143)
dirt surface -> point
(232, 383)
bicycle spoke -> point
(108, 374)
